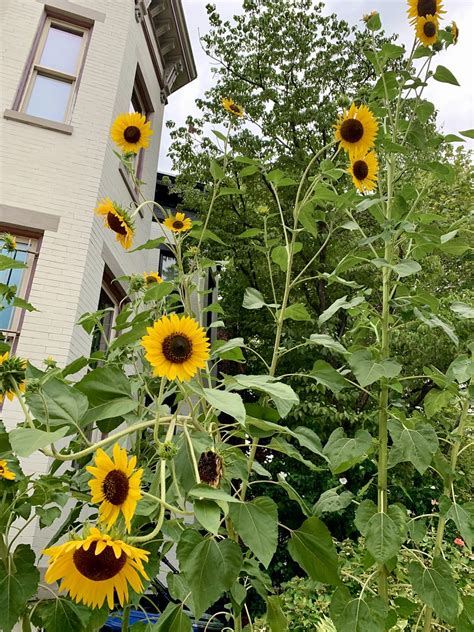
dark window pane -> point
(61, 50)
(49, 98)
(10, 278)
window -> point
(10, 316)
(140, 102)
(51, 84)
(167, 266)
(110, 300)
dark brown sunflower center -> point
(360, 169)
(115, 487)
(429, 29)
(426, 7)
(151, 279)
(177, 348)
(2, 469)
(210, 468)
(115, 224)
(100, 567)
(352, 130)
(132, 134)
(235, 108)
(178, 224)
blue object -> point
(114, 621)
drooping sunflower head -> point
(427, 30)
(454, 32)
(363, 170)
(9, 242)
(423, 8)
(356, 130)
(176, 347)
(116, 486)
(151, 278)
(210, 468)
(178, 223)
(92, 568)
(117, 219)
(5, 472)
(232, 107)
(131, 132)
(12, 371)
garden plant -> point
(192, 437)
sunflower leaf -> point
(444, 75)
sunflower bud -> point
(9, 242)
(137, 282)
(372, 21)
(12, 375)
(263, 209)
(167, 450)
(50, 363)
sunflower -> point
(151, 278)
(91, 568)
(178, 223)
(210, 468)
(363, 170)
(117, 219)
(176, 347)
(12, 371)
(454, 32)
(232, 107)
(116, 485)
(131, 132)
(5, 472)
(356, 130)
(9, 241)
(427, 30)
(423, 8)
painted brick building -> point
(68, 69)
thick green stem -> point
(125, 618)
(438, 547)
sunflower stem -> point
(125, 617)
(191, 453)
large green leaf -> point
(209, 567)
(282, 394)
(7, 263)
(297, 311)
(326, 375)
(385, 534)
(25, 441)
(340, 303)
(19, 579)
(366, 614)
(109, 410)
(312, 547)
(444, 75)
(173, 619)
(208, 513)
(253, 299)
(60, 614)
(257, 524)
(435, 587)
(275, 617)
(368, 370)
(104, 384)
(463, 518)
(331, 501)
(58, 404)
(230, 403)
(344, 452)
(414, 443)
(326, 341)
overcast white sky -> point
(455, 104)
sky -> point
(455, 104)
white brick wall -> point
(66, 175)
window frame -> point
(33, 241)
(141, 94)
(35, 69)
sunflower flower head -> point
(176, 347)
(454, 32)
(94, 567)
(151, 278)
(6, 473)
(116, 486)
(210, 468)
(9, 242)
(12, 371)
(232, 107)
(424, 8)
(178, 223)
(363, 169)
(427, 30)
(356, 130)
(131, 132)
(117, 219)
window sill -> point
(37, 121)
